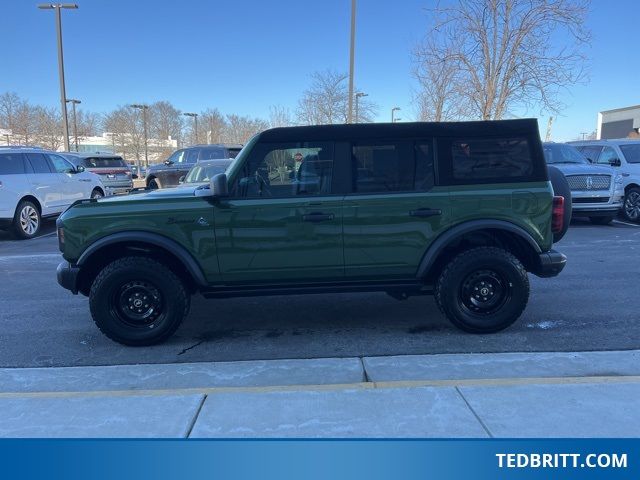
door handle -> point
(425, 212)
(317, 217)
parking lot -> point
(590, 306)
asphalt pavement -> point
(591, 306)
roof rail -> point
(17, 147)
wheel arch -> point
(32, 199)
(630, 186)
(141, 243)
(474, 233)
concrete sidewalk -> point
(590, 394)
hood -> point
(183, 191)
(583, 169)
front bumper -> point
(68, 276)
(550, 264)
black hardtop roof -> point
(527, 126)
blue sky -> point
(241, 56)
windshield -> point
(631, 152)
(563, 154)
(204, 173)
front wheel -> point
(483, 290)
(153, 184)
(631, 209)
(138, 301)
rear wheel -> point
(96, 193)
(153, 184)
(631, 210)
(27, 220)
(483, 290)
(138, 301)
(601, 220)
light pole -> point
(144, 108)
(359, 95)
(73, 103)
(351, 59)
(393, 111)
(63, 96)
(195, 121)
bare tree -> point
(326, 101)
(240, 128)
(212, 126)
(505, 54)
(10, 102)
(125, 124)
(165, 122)
(48, 128)
(438, 98)
(279, 116)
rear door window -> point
(192, 155)
(39, 163)
(486, 160)
(631, 152)
(12, 164)
(233, 152)
(380, 167)
(211, 154)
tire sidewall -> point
(20, 233)
(624, 210)
(506, 315)
(105, 289)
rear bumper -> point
(68, 276)
(550, 264)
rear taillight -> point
(557, 218)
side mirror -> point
(79, 169)
(134, 176)
(168, 162)
(218, 185)
(181, 179)
(590, 160)
(615, 162)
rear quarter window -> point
(487, 160)
(212, 154)
(11, 164)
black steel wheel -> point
(138, 301)
(483, 290)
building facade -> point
(619, 123)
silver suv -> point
(36, 183)
(624, 156)
(596, 191)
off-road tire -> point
(601, 220)
(26, 213)
(128, 277)
(454, 280)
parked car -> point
(384, 213)
(138, 174)
(168, 173)
(596, 190)
(204, 171)
(116, 174)
(36, 184)
(624, 156)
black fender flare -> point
(155, 239)
(439, 244)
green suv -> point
(458, 210)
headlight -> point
(619, 180)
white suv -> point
(624, 155)
(36, 183)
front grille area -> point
(590, 200)
(589, 182)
